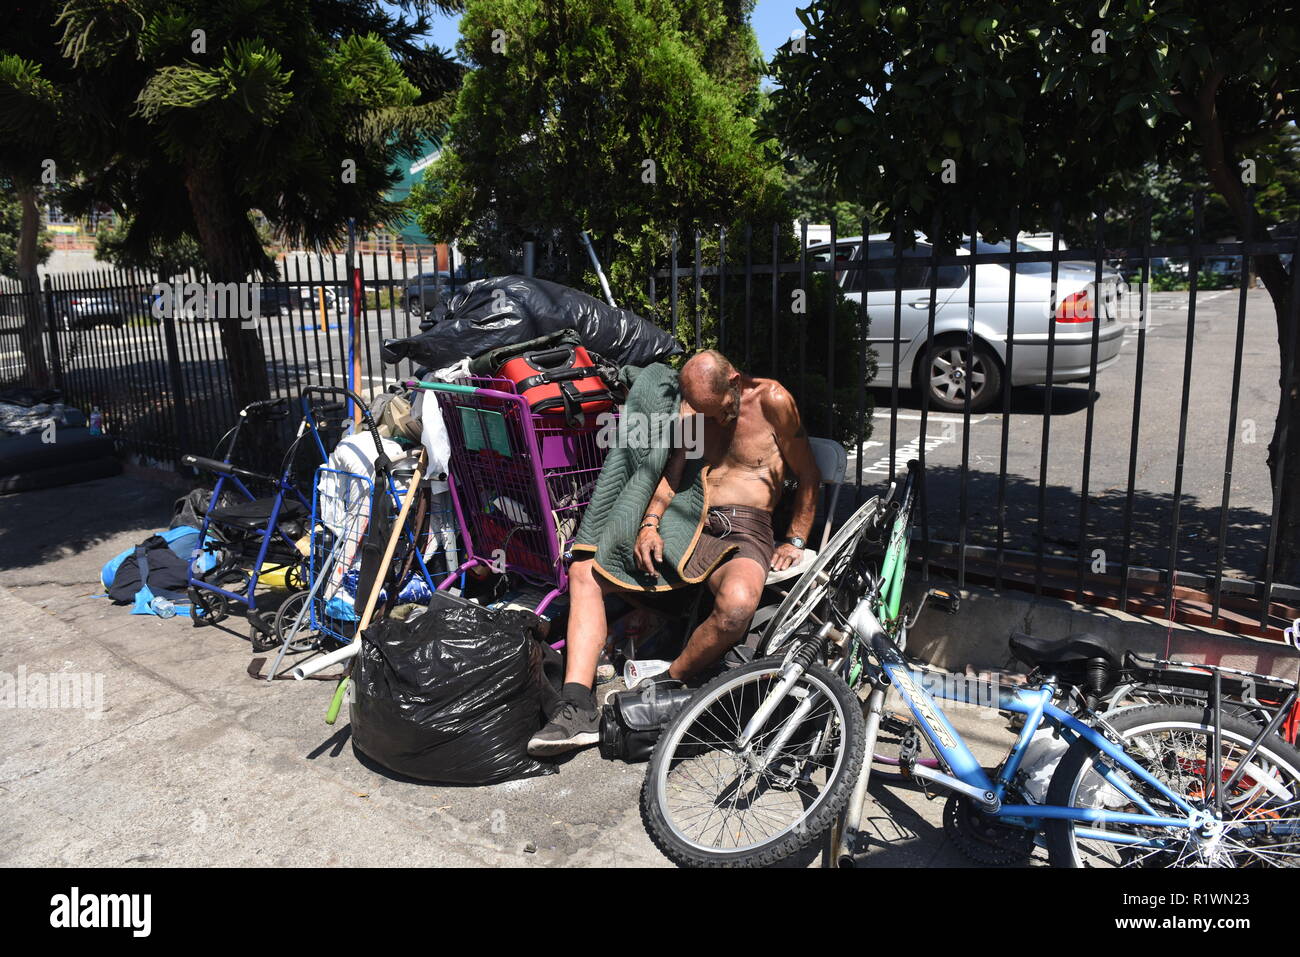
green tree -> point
(11, 218)
(629, 118)
(814, 201)
(1045, 102)
(32, 118)
(634, 119)
(187, 114)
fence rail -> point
(1105, 468)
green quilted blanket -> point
(632, 470)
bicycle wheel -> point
(293, 621)
(705, 804)
(1260, 824)
(814, 584)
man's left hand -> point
(785, 556)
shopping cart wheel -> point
(304, 639)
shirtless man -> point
(752, 438)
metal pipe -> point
(600, 273)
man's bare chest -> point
(748, 443)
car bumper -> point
(1071, 355)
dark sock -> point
(580, 695)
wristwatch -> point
(796, 541)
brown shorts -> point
(741, 525)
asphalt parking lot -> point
(1112, 406)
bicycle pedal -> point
(909, 749)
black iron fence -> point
(1084, 434)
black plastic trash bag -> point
(451, 696)
(506, 310)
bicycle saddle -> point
(1081, 646)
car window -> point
(915, 270)
(843, 253)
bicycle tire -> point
(1070, 773)
(801, 834)
(778, 632)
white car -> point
(939, 361)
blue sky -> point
(774, 21)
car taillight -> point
(1074, 308)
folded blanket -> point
(627, 481)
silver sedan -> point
(940, 362)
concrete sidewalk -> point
(192, 762)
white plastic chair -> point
(832, 462)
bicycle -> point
(767, 759)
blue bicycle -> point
(775, 756)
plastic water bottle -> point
(162, 607)
(96, 425)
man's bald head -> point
(711, 384)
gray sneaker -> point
(571, 727)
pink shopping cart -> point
(520, 481)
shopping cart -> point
(520, 481)
(324, 615)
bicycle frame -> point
(969, 777)
(879, 629)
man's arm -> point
(792, 440)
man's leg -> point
(737, 586)
(576, 722)
(588, 627)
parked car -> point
(426, 292)
(937, 362)
(82, 310)
(278, 299)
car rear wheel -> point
(415, 307)
(949, 370)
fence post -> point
(56, 360)
(354, 316)
(530, 258)
(175, 376)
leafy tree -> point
(1045, 102)
(32, 117)
(1170, 190)
(11, 218)
(628, 118)
(187, 114)
(812, 200)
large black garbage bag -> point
(451, 696)
(506, 310)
